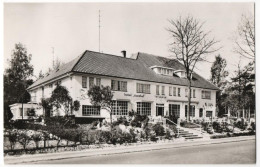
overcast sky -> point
(72, 28)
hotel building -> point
(147, 84)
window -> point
(21, 112)
(194, 95)
(186, 92)
(88, 110)
(142, 88)
(179, 92)
(192, 110)
(98, 81)
(174, 91)
(208, 113)
(163, 90)
(205, 94)
(201, 112)
(43, 91)
(143, 108)
(119, 108)
(157, 90)
(91, 82)
(119, 85)
(174, 109)
(170, 91)
(50, 85)
(84, 82)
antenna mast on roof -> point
(99, 30)
(53, 55)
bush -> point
(37, 137)
(169, 135)
(121, 120)
(158, 129)
(24, 139)
(64, 121)
(217, 127)
(13, 137)
(139, 120)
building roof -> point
(137, 68)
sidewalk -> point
(119, 150)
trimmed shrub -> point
(13, 137)
(139, 120)
(24, 139)
(158, 129)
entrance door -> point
(159, 109)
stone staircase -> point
(187, 134)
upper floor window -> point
(186, 92)
(143, 88)
(179, 92)
(84, 82)
(119, 85)
(157, 90)
(163, 92)
(174, 91)
(205, 94)
(194, 95)
(98, 81)
(170, 91)
(91, 82)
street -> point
(241, 152)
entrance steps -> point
(189, 135)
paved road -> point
(242, 152)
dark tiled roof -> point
(62, 70)
(139, 68)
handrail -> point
(171, 121)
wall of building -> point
(74, 85)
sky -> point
(72, 28)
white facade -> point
(159, 102)
(20, 111)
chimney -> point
(124, 53)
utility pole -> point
(99, 30)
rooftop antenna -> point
(53, 55)
(99, 30)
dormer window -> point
(162, 70)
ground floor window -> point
(88, 110)
(143, 108)
(192, 110)
(201, 112)
(208, 113)
(120, 108)
(174, 109)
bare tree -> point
(245, 37)
(190, 44)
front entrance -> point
(159, 109)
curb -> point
(113, 151)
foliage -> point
(36, 137)
(245, 37)
(101, 96)
(64, 121)
(217, 127)
(190, 44)
(139, 121)
(13, 137)
(158, 129)
(16, 79)
(169, 135)
(76, 105)
(23, 138)
(60, 98)
(121, 120)
(47, 105)
(218, 78)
